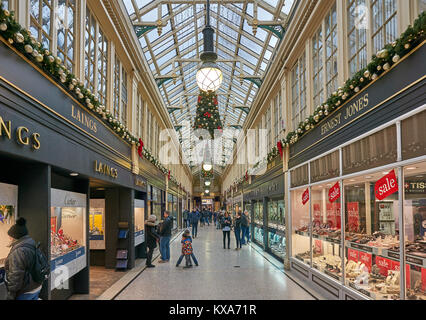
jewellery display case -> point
(8, 212)
(258, 234)
(68, 236)
(139, 221)
(276, 227)
(97, 224)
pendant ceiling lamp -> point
(207, 166)
(209, 76)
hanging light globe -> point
(207, 166)
(207, 183)
(209, 76)
(206, 191)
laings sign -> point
(22, 134)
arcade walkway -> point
(222, 274)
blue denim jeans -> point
(28, 296)
(181, 257)
(165, 248)
(244, 234)
(194, 229)
(238, 236)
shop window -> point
(97, 224)
(66, 32)
(268, 126)
(258, 235)
(372, 243)
(318, 70)
(8, 215)
(384, 22)
(95, 58)
(41, 16)
(276, 227)
(413, 131)
(421, 6)
(300, 232)
(299, 176)
(117, 88)
(415, 230)
(373, 151)
(326, 230)
(5, 4)
(357, 38)
(124, 99)
(298, 92)
(258, 212)
(325, 168)
(331, 51)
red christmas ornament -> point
(215, 101)
(199, 99)
(280, 148)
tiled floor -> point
(222, 274)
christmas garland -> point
(207, 174)
(24, 42)
(381, 62)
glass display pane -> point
(326, 231)
(415, 230)
(300, 226)
(371, 239)
(258, 212)
(8, 204)
(258, 234)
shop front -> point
(172, 207)
(264, 199)
(67, 173)
(357, 192)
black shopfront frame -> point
(48, 134)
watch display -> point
(8, 206)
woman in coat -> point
(226, 224)
(152, 238)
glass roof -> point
(182, 38)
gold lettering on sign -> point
(105, 169)
(331, 124)
(24, 141)
(21, 133)
(84, 119)
(6, 127)
(356, 107)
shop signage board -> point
(367, 110)
(386, 186)
(66, 266)
(305, 196)
(21, 134)
(416, 187)
(334, 192)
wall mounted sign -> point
(415, 186)
(22, 135)
(334, 192)
(140, 182)
(386, 186)
(84, 118)
(105, 169)
(305, 196)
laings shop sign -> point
(22, 134)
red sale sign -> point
(366, 258)
(334, 192)
(318, 246)
(383, 264)
(386, 186)
(395, 267)
(353, 216)
(424, 279)
(305, 196)
(353, 254)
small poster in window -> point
(353, 216)
(331, 215)
(366, 258)
(317, 214)
(318, 246)
(353, 254)
(383, 264)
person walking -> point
(185, 218)
(215, 218)
(187, 250)
(237, 230)
(195, 217)
(206, 217)
(244, 226)
(165, 235)
(152, 237)
(19, 264)
(226, 224)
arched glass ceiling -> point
(181, 38)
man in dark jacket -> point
(19, 263)
(165, 235)
(195, 217)
(244, 227)
(152, 237)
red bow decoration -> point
(140, 148)
(280, 148)
(207, 114)
(220, 128)
(246, 175)
(169, 175)
(215, 101)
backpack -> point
(40, 270)
(187, 248)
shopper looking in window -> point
(244, 227)
(237, 230)
(19, 264)
(152, 237)
(165, 235)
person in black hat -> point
(18, 264)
